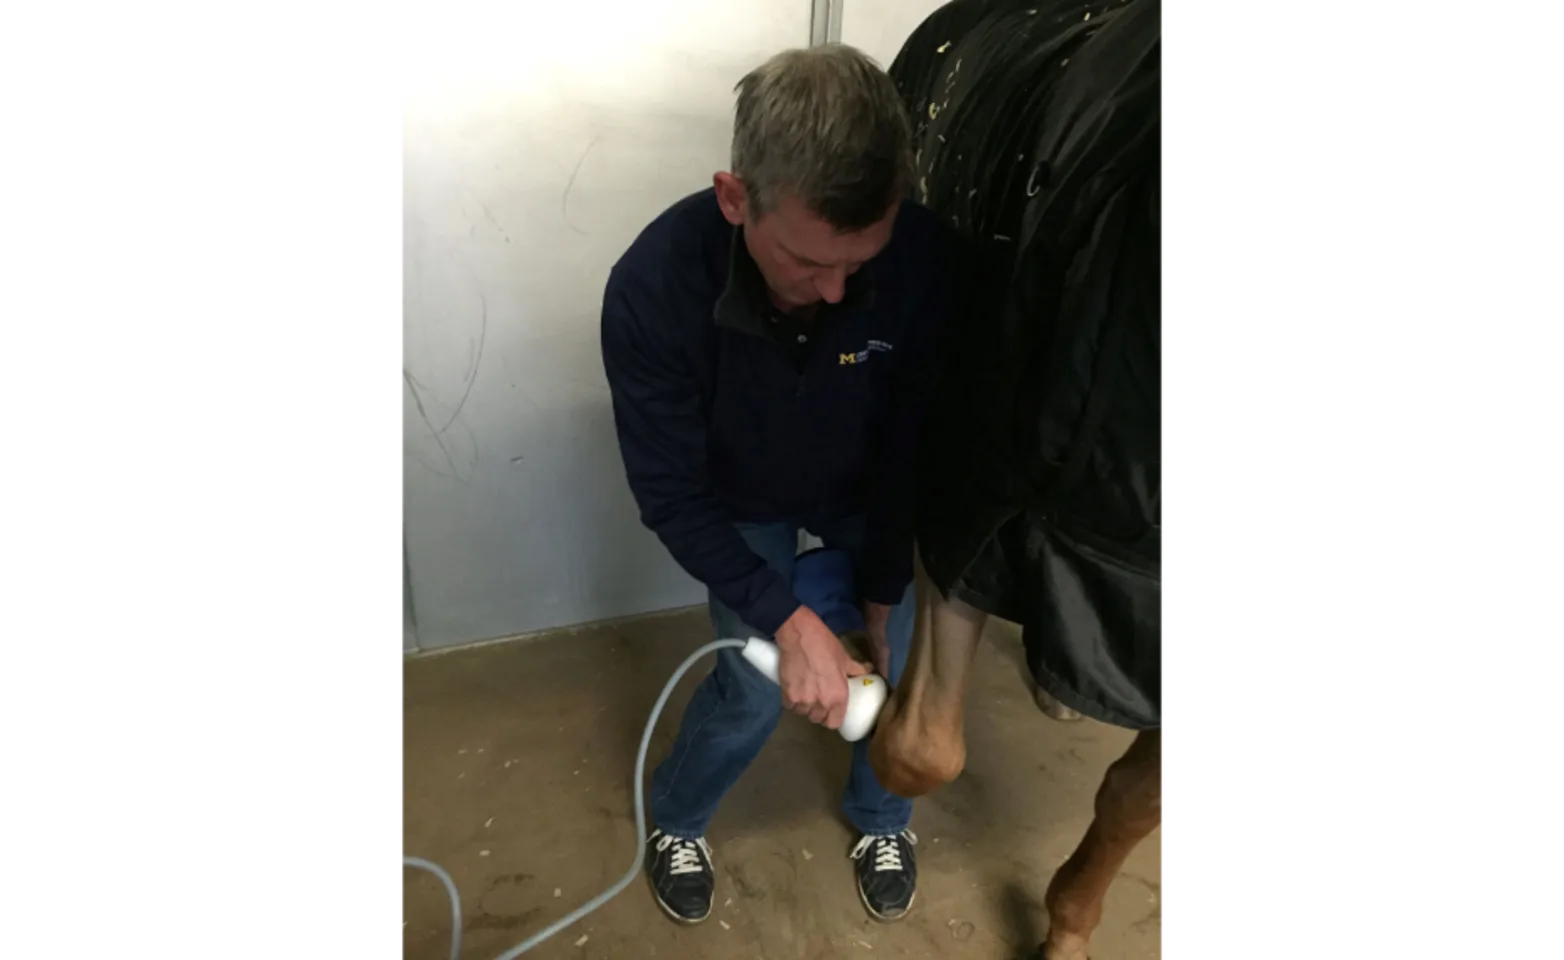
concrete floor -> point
(518, 762)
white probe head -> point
(865, 696)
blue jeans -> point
(735, 709)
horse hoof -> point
(1054, 709)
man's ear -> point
(731, 197)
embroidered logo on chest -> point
(872, 347)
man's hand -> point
(877, 619)
(814, 667)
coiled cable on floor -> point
(640, 831)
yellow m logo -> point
(847, 358)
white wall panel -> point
(539, 139)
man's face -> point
(802, 257)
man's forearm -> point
(710, 549)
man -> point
(766, 342)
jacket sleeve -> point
(662, 439)
(891, 514)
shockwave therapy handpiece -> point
(865, 694)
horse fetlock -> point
(911, 756)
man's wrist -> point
(791, 632)
(875, 613)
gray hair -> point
(827, 125)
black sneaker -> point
(887, 874)
(682, 876)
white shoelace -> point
(686, 856)
(887, 852)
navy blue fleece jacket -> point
(725, 413)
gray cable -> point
(640, 832)
(450, 888)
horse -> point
(1037, 137)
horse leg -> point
(918, 742)
(1128, 807)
